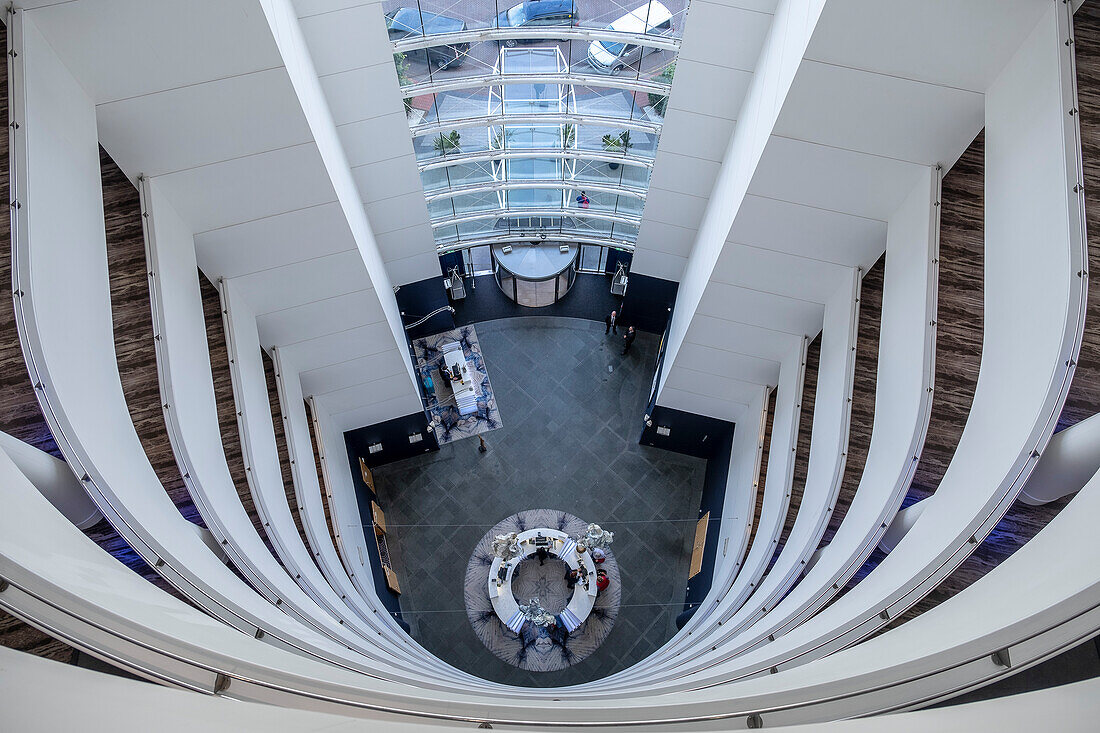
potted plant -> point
(569, 135)
(402, 65)
(502, 137)
(447, 143)
(659, 102)
(617, 144)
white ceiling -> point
(354, 61)
(869, 107)
(720, 47)
(224, 134)
(197, 96)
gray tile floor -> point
(569, 442)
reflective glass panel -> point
(488, 130)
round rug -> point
(533, 649)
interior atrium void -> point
(550, 364)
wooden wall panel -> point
(863, 393)
(765, 454)
(802, 449)
(284, 454)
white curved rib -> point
(94, 602)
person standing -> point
(628, 339)
(610, 320)
(573, 577)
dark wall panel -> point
(356, 442)
(420, 298)
(714, 497)
(690, 434)
(648, 302)
(394, 437)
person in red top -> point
(602, 581)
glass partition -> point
(408, 19)
(491, 167)
(473, 63)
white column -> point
(54, 480)
(900, 526)
(1070, 460)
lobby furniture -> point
(464, 391)
(560, 544)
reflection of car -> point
(411, 23)
(611, 57)
(536, 13)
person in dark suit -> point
(573, 577)
(628, 339)
(610, 320)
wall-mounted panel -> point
(155, 43)
(777, 272)
(333, 348)
(760, 308)
(346, 39)
(741, 337)
(724, 34)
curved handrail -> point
(163, 340)
(747, 573)
(1052, 616)
(853, 622)
(307, 493)
(548, 184)
(552, 33)
(556, 118)
(271, 504)
(566, 78)
(174, 551)
(335, 511)
(740, 502)
(795, 608)
(461, 243)
(45, 693)
(481, 156)
(792, 568)
(536, 213)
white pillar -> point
(903, 522)
(1070, 460)
(54, 480)
(813, 559)
(211, 541)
